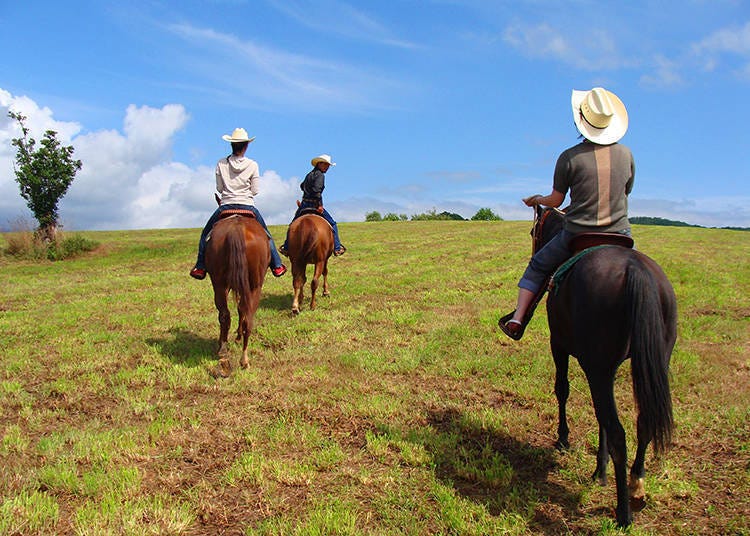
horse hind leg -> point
(602, 459)
(562, 391)
(606, 414)
(637, 470)
(298, 283)
(314, 284)
(220, 300)
(325, 279)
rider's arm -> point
(554, 199)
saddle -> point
(588, 240)
(309, 210)
(231, 213)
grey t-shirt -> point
(599, 178)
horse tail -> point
(650, 351)
(237, 268)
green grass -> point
(396, 407)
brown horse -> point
(310, 242)
(237, 257)
(613, 303)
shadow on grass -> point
(278, 302)
(471, 460)
(185, 348)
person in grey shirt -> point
(599, 173)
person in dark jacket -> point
(312, 198)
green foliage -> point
(43, 174)
(485, 214)
(373, 216)
(29, 246)
(392, 216)
(433, 215)
(651, 220)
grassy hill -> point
(396, 407)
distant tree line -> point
(483, 214)
(486, 214)
(651, 220)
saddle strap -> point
(562, 271)
(236, 212)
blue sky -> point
(433, 104)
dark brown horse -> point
(310, 242)
(237, 257)
(613, 303)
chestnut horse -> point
(613, 303)
(237, 257)
(310, 242)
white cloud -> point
(262, 75)
(593, 50)
(665, 74)
(341, 19)
(128, 179)
(725, 45)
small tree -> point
(485, 214)
(373, 216)
(43, 175)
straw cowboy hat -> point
(322, 158)
(239, 135)
(599, 115)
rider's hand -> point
(320, 209)
(532, 200)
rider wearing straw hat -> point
(312, 198)
(237, 183)
(599, 174)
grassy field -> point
(396, 407)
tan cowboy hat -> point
(239, 134)
(599, 115)
(322, 158)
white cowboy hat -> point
(239, 134)
(599, 115)
(322, 158)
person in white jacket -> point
(237, 183)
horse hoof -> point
(599, 478)
(295, 312)
(562, 445)
(637, 503)
(222, 370)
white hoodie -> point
(237, 180)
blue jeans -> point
(201, 262)
(305, 205)
(548, 259)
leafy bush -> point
(485, 214)
(27, 245)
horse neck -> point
(547, 223)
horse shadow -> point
(466, 458)
(277, 302)
(185, 348)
